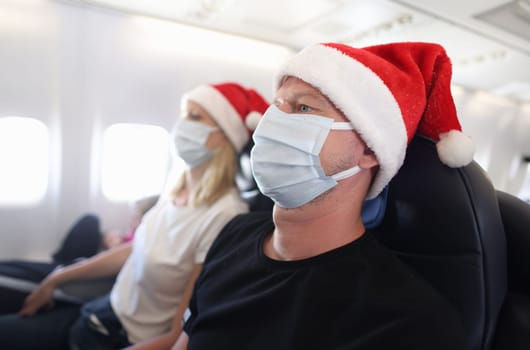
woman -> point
(158, 270)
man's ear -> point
(368, 159)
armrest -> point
(85, 290)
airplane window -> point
(24, 152)
(134, 161)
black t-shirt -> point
(358, 296)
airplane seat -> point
(446, 225)
(247, 185)
(515, 215)
(514, 323)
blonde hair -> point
(218, 178)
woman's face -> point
(196, 113)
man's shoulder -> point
(241, 229)
(245, 224)
(252, 218)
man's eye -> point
(194, 116)
(304, 108)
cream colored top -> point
(167, 244)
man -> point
(312, 277)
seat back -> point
(445, 224)
(247, 185)
(513, 331)
(516, 219)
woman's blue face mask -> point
(190, 139)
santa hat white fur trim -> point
(252, 120)
(455, 149)
(363, 98)
(219, 108)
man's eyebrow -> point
(276, 101)
(297, 95)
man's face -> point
(342, 149)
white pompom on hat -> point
(389, 92)
(236, 109)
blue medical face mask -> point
(285, 158)
(190, 142)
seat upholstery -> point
(516, 220)
(513, 331)
(247, 185)
(446, 225)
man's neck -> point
(312, 230)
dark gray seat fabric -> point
(246, 184)
(446, 225)
(513, 331)
(516, 220)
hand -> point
(41, 296)
(112, 238)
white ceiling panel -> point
(484, 38)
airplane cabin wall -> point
(500, 130)
(79, 70)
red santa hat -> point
(236, 109)
(389, 93)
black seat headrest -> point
(516, 219)
(246, 184)
(445, 224)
